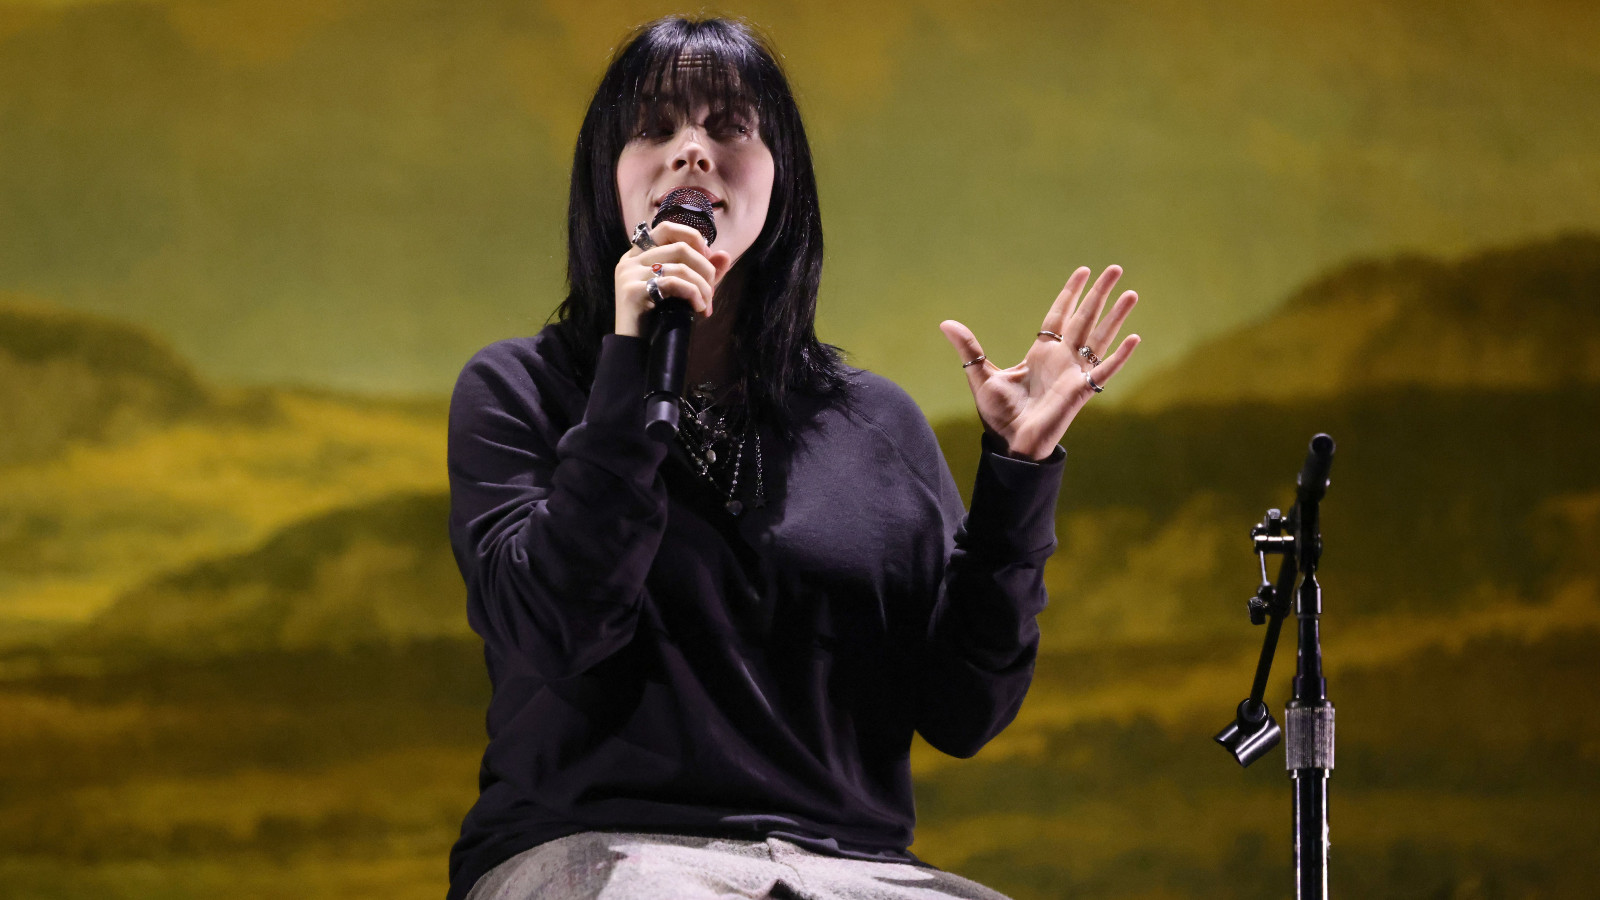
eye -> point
(732, 126)
(654, 128)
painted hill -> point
(375, 574)
(1518, 318)
(68, 377)
(1444, 503)
(1151, 522)
(118, 464)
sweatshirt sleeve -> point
(554, 527)
(977, 661)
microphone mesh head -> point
(688, 206)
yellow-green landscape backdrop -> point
(246, 246)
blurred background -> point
(245, 247)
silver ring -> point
(1051, 334)
(1088, 354)
(974, 362)
(642, 238)
(653, 288)
(1090, 379)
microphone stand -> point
(1309, 753)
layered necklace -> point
(714, 435)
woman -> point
(709, 658)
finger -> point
(722, 260)
(677, 232)
(1106, 331)
(1056, 318)
(1113, 364)
(633, 248)
(672, 286)
(687, 273)
(966, 344)
(683, 255)
(1088, 312)
(674, 234)
(705, 296)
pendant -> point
(711, 455)
(734, 507)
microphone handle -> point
(667, 367)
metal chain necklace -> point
(714, 436)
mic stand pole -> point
(1309, 716)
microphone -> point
(669, 345)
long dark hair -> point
(728, 66)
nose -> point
(691, 153)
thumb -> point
(721, 261)
(966, 344)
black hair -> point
(727, 66)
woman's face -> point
(720, 152)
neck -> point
(710, 357)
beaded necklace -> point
(714, 434)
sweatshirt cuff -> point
(611, 434)
(616, 400)
(1014, 501)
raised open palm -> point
(1031, 404)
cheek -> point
(632, 186)
(759, 174)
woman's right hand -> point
(689, 269)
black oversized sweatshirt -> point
(661, 665)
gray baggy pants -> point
(625, 866)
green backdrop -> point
(245, 247)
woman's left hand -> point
(1030, 405)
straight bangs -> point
(672, 83)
